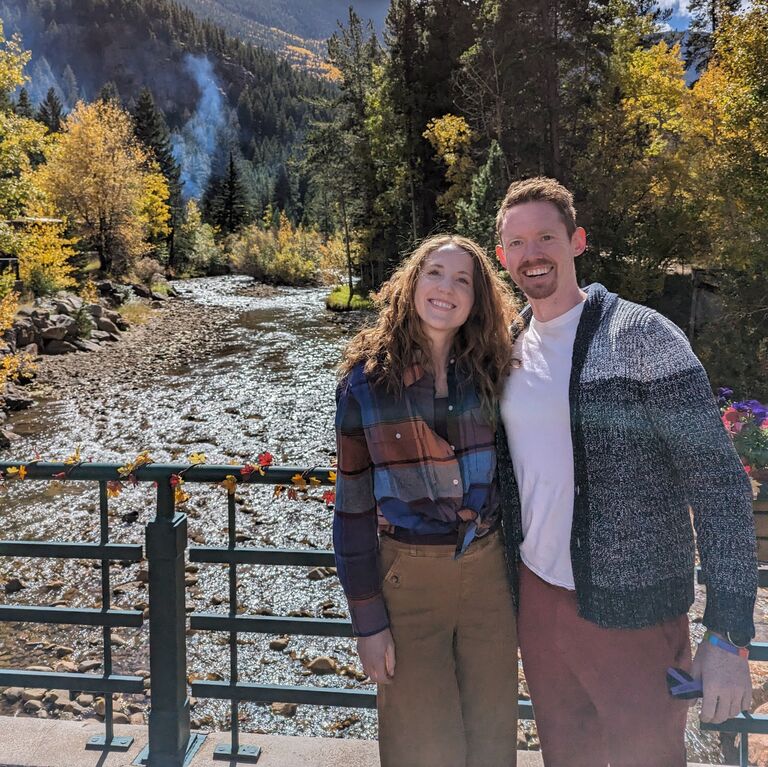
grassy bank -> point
(338, 300)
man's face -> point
(537, 251)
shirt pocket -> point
(402, 455)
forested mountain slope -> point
(240, 94)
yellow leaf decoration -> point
(142, 459)
(331, 476)
(196, 458)
(114, 488)
(299, 481)
(22, 472)
(180, 495)
(75, 457)
(315, 482)
(12, 471)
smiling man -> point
(610, 435)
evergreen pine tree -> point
(69, 85)
(23, 106)
(51, 111)
(109, 93)
(152, 130)
(476, 217)
(225, 201)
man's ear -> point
(579, 241)
(501, 256)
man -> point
(611, 435)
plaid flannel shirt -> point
(391, 461)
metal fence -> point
(171, 742)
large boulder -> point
(68, 303)
(105, 324)
(25, 332)
(58, 347)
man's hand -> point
(377, 654)
(725, 680)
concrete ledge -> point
(27, 742)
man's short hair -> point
(539, 189)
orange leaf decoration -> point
(229, 483)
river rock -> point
(25, 332)
(62, 651)
(280, 643)
(56, 697)
(319, 573)
(136, 718)
(33, 693)
(73, 707)
(43, 669)
(16, 398)
(84, 699)
(322, 665)
(120, 718)
(284, 709)
(65, 667)
(33, 706)
(88, 665)
(13, 694)
(12, 585)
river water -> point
(240, 372)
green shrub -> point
(338, 300)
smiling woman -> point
(416, 523)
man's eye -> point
(546, 237)
(515, 243)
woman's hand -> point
(377, 654)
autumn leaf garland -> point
(301, 483)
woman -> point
(426, 581)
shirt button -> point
(450, 407)
(453, 447)
(452, 360)
(455, 481)
(397, 436)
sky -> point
(680, 15)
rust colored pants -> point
(600, 695)
(453, 699)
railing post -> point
(169, 728)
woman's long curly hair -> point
(482, 345)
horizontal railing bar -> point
(65, 550)
(754, 724)
(273, 693)
(271, 624)
(82, 682)
(316, 696)
(758, 651)
(84, 616)
(262, 556)
(762, 576)
(274, 475)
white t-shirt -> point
(537, 417)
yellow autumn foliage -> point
(44, 259)
(285, 255)
(9, 305)
(451, 138)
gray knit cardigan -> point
(648, 443)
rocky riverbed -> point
(229, 369)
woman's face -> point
(445, 291)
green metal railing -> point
(171, 742)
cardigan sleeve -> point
(355, 528)
(679, 400)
